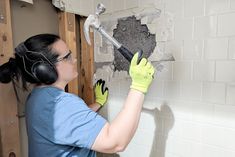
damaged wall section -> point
(134, 36)
(140, 29)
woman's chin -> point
(76, 75)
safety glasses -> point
(67, 57)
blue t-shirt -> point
(60, 124)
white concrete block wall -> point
(190, 108)
(225, 26)
(204, 27)
(231, 49)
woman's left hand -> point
(101, 94)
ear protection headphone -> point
(42, 70)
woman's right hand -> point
(141, 74)
(116, 135)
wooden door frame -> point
(71, 31)
(9, 122)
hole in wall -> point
(134, 36)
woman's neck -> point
(56, 84)
(59, 85)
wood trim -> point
(71, 31)
(68, 34)
(87, 66)
(9, 122)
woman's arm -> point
(115, 136)
(101, 95)
(95, 106)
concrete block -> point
(104, 48)
(144, 20)
(202, 112)
(213, 92)
(182, 70)
(176, 7)
(134, 37)
(205, 27)
(183, 29)
(193, 8)
(146, 3)
(191, 131)
(230, 99)
(216, 6)
(85, 6)
(163, 27)
(98, 39)
(107, 3)
(165, 73)
(171, 89)
(225, 71)
(118, 5)
(218, 136)
(193, 49)
(155, 90)
(216, 48)
(226, 25)
(105, 73)
(131, 4)
(204, 70)
(176, 48)
(224, 114)
(103, 54)
(232, 5)
(231, 49)
(191, 90)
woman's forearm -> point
(115, 136)
(123, 127)
(95, 106)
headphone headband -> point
(42, 70)
(21, 49)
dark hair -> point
(15, 68)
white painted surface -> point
(190, 107)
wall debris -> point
(134, 36)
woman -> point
(60, 124)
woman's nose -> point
(75, 60)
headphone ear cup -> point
(44, 72)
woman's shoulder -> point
(49, 91)
(56, 94)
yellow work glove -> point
(101, 94)
(141, 73)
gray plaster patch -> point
(134, 36)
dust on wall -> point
(144, 29)
(134, 36)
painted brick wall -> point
(190, 108)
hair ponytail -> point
(20, 67)
(8, 71)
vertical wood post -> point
(67, 30)
(9, 122)
(71, 31)
(87, 66)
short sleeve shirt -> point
(60, 124)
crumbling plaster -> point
(160, 24)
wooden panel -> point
(87, 66)
(68, 34)
(9, 124)
(71, 31)
(79, 57)
(3, 12)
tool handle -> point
(128, 55)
